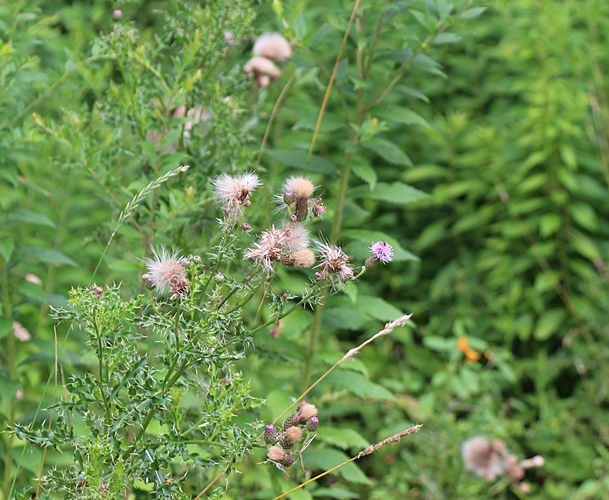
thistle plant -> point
(164, 396)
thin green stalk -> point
(331, 82)
(272, 118)
(12, 369)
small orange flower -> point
(470, 354)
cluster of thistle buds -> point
(290, 244)
(292, 431)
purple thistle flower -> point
(382, 251)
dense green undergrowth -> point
(473, 140)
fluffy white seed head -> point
(165, 269)
(272, 46)
(296, 236)
(300, 187)
(234, 191)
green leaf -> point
(402, 115)
(32, 291)
(6, 326)
(337, 493)
(344, 318)
(48, 255)
(277, 401)
(378, 308)
(6, 247)
(426, 22)
(342, 438)
(359, 385)
(29, 217)
(300, 26)
(298, 159)
(548, 323)
(398, 192)
(388, 151)
(329, 123)
(327, 458)
(440, 344)
(549, 224)
(473, 12)
(584, 215)
(444, 38)
(365, 172)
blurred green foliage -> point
(486, 165)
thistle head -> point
(334, 262)
(234, 191)
(307, 411)
(166, 271)
(382, 251)
(291, 437)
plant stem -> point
(10, 361)
(331, 82)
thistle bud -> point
(312, 424)
(371, 262)
(291, 421)
(288, 198)
(196, 259)
(117, 15)
(270, 434)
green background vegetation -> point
(486, 166)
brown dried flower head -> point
(302, 258)
(334, 262)
(268, 249)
